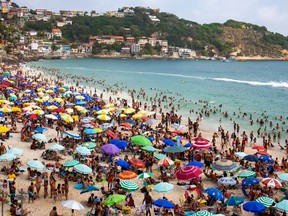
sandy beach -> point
(43, 206)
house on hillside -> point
(135, 49)
(55, 33)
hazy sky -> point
(270, 13)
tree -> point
(54, 47)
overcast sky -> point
(270, 13)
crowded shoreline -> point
(221, 146)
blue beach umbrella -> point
(282, 206)
(114, 141)
(40, 130)
(254, 206)
(163, 203)
(151, 138)
(214, 193)
(187, 145)
(34, 164)
(251, 158)
(89, 189)
(250, 181)
(266, 159)
(123, 163)
(90, 131)
(80, 102)
(72, 134)
(195, 163)
(169, 142)
(121, 144)
(15, 151)
(7, 157)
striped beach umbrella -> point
(103, 112)
(202, 213)
(129, 111)
(201, 143)
(67, 118)
(71, 163)
(165, 162)
(145, 175)
(224, 165)
(104, 117)
(271, 182)
(188, 172)
(37, 112)
(247, 174)
(266, 201)
(128, 186)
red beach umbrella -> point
(59, 110)
(262, 153)
(137, 162)
(33, 116)
(126, 124)
(259, 148)
(127, 175)
(271, 182)
(188, 172)
(111, 134)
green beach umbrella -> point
(82, 168)
(66, 87)
(129, 186)
(34, 164)
(234, 201)
(114, 199)
(145, 175)
(283, 177)
(89, 145)
(71, 163)
(140, 140)
(149, 149)
(202, 213)
(13, 97)
(56, 147)
(247, 174)
(7, 157)
(266, 201)
(282, 206)
(174, 149)
(160, 156)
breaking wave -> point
(255, 83)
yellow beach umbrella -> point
(129, 111)
(103, 112)
(80, 97)
(49, 91)
(143, 112)
(4, 101)
(137, 116)
(16, 109)
(104, 117)
(123, 115)
(58, 100)
(6, 110)
(61, 89)
(76, 118)
(52, 107)
(109, 105)
(4, 129)
(38, 112)
(67, 118)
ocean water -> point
(253, 87)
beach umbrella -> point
(15, 109)
(114, 199)
(250, 181)
(13, 97)
(188, 172)
(72, 134)
(226, 181)
(129, 110)
(40, 130)
(195, 163)
(137, 116)
(7, 157)
(282, 206)
(83, 151)
(262, 153)
(145, 175)
(165, 162)
(103, 112)
(149, 149)
(5, 110)
(137, 162)
(163, 187)
(214, 193)
(160, 156)
(103, 117)
(67, 118)
(34, 164)
(253, 206)
(259, 148)
(125, 124)
(127, 175)
(56, 147)
(40, 137)
(123, 163)
(71, 163)
(89, 131)
(240, 154)
(201, 143)
(89, 189)
(169, 142)
(266, 201)
(202, 213)
(140, 140)
(15, 151)
(98, 130)
(50, 116)
(266, 159)
(82, 168)
(59, 110)
(283, 177)
(37, 112)
(121, 144)
(174, 149)
(4, 129)
(224, 165)
(89, 145)
(128, 186)
(234, 201)
(110, 149)
(251, 158)
(150, 122)
(163, 203)
(271, 182)
(73, 204)
(247, 174)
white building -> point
(135, 48)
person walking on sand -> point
(31, 192)
(148, 202)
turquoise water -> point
(254, 87)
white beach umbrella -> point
(72, 204)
